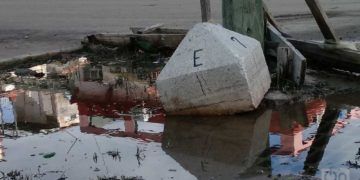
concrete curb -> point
(37, 58)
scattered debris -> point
(114, 154)
(284, 163)
(160, 30)
(96, 169)
(63, 177)
(49, 155)
(120, 178)
(140, 156)
(28, 72)
(150, 29)
(47, 131)
(353, 165)
(146, 42)
(13, 174)
(95, 157)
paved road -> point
(36, 26)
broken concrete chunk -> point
(214, 71)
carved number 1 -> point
(235, 39)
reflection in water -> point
(322, 138)
(104, 94)
(45, 109)
(40, 109)
(124, 128)
(106, 120)
(2, 152)
(218, 147)
(122, 89)
(290, 123)
(300, 141)
(114, 91)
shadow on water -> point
(83, 120)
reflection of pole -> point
(2, 153)
(41, 107)
(2, 122)
(54, 105)
(2, 119)
(321, 140)
(24, 116)
(130, 124)
(127, 89)
(15, 119)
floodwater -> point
(82, 120)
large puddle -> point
(83, 120)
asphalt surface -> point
(29, 27)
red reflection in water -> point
(116, 103)
(2, 152)
(130, 130)
(292, 142)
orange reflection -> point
(2, 152)
(131, 130)
(291, 136)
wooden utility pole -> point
(322, 21)
(245, 17)
(205, 10)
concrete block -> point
(214, 71)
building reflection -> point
(307, 128)
(39, 109)
(107, 95)
(293, 125)
(224, 147)
(290, 122)
(120, 90)
(105, 83)
(94, 114)
(128, 128)
(45, 108)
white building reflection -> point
(45, 108)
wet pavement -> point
(89, 120)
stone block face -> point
(214, 71)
